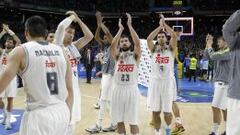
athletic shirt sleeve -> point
(59, 34)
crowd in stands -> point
(188, 45)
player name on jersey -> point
(47, 53)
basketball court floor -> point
(194, 104)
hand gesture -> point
(5, 27)
(129, 22)
(209, 41)
(162, 20)
(99, 18)
(74, 14)
(120, 24)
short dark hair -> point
(124, 36)
(51, 31)
(10, 38)
(72, 26)
(36, 26)
(220, 37)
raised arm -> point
(116, 39)
(103, 27)
(173, 40)
(11, 33)
(88, 36)
(219, 55)
(151, 37)
(107, 33)
(3, 32)
(97, 32)
(230, 34)
(60, 32)
(97, 35)
(135, 38)
(12, 68)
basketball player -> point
(11, 90)
(178, 126)
(232, 37)
(47, 77)
(6, 30)
(64, 36)
(221, 60)
(107, 76)
(125, 97)
(162, 87)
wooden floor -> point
(196, 117)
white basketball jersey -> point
(73, 63)
(44, 75)
(4, 59)
(126, 70)
(162, 64)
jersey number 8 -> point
(52, 82)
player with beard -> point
(11, 90)
(125, 96)
(162, 88)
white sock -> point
(5, 112)
(178, 120)
(99, 123)
(224, 124)
(158, 132)
(122, 134)
(102, 110)
(8, 117)
(215, 128)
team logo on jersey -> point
(125, 67)
(50, 64)
(73, 61)
(4, 60)
(161, 60)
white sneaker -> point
(3, 121)
(8, 125)
(94, 129)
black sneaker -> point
(212, 133)
(224, 133)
